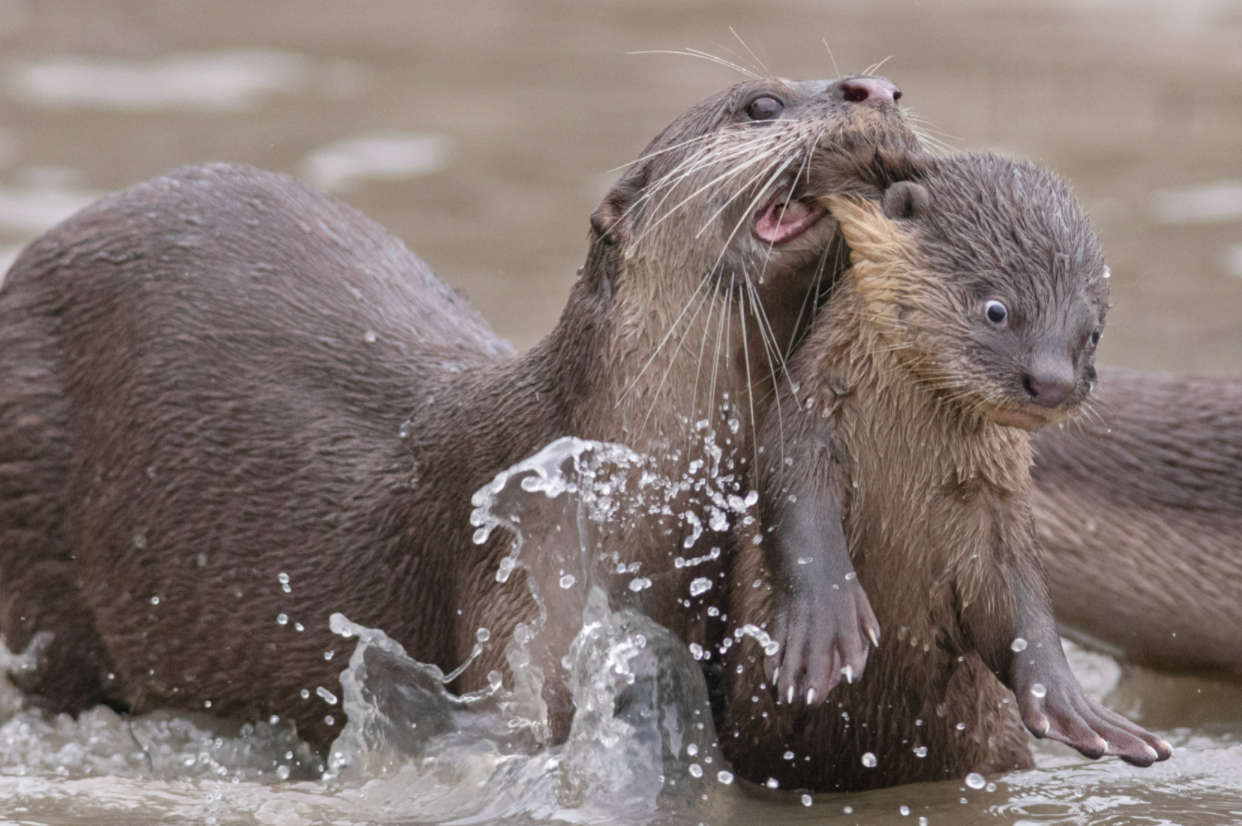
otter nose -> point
(859, 89)
(1049, 383)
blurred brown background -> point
(484, 133)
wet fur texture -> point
(934, 495)
(1139, 509)
(220, 376)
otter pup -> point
(977, 295)
(230, 406)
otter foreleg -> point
(822, 618)
(1017, 638)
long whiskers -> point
(702, 55)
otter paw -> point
(1061, 711)
(824, 638)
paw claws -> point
(1152, 753)
(790, 695)
(875, 637)
(810, 696)
(776, 673)
(1164, 744)
(848, 673)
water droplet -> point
(327, 655)
(282, 578)
(155, 600)
(639, 584)
(696, 770)
(406, 428)
(483, 635)
(329, 719)
(699, 586)
(568, 581)
(772, 783)
(326, 696)
(851, 576)
(920, 751)
(922, 821)
(207, 704)
(273, 720)
(960, 727)
(282, 619)
(1017, 645)
(806, 800)
(975, 780)
(868, 760)
(1038, 690)
(297, 626)
(789, 755)
(725, 777)
(905, 811)
(305, 693)
(140, 541)
(991, 787)
(282, 772)
(369, 336)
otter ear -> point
(609, 218)
(906, 200)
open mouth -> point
(783, 218)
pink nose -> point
(858, 89)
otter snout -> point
(1049, 383)
(859, 89)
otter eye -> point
(996, 312)
(1095, 337)
(764, 108)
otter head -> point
(982, 275)
(711, 247)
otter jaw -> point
(783, 218)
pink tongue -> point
(782, 222)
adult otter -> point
(1139, 510)
(218, 383)
(971, 314)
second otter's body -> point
(1139, 509)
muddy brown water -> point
(484, 133)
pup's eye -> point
(764, 108)
(996, 312)
(1095, 337)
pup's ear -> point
(906, 200)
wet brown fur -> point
(204, 380)
(1139, 509)
(935, 498)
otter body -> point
(976, 297)
(1139, 509)
(219, 383)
